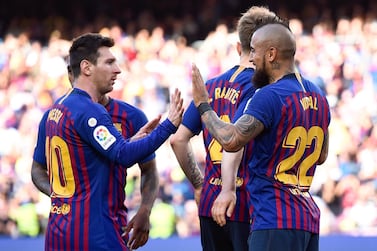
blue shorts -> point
(283, 240)
(231, 237)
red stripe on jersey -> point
(297, 215)
(73, 237)
(288, 211)
(84, 189)
(113, 203)
(306, 217)
(86, 208)
(68, 227)
(279, 210)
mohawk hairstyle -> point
(272, 20)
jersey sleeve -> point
(140, 122)
(96, 128)
(242, 105)
(260, 107)
(191, 119)
(39, 150)
(247, 93)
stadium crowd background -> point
(155, 46)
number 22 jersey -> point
(296, 117)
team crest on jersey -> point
(103, 136)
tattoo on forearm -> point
(233, 136)
(248, 125)
(193, 174)
(148, 185)
(218, 128)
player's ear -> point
(86, 67)
(239, 48)
(271, 54)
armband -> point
(204, 107)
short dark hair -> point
(274, 20)
(85, 47)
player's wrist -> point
(203, 108)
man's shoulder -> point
(234, 74)
(127, 107)
(126, 111)
(80, 105)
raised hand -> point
(176, 108)
(146, 129)
(199, 91)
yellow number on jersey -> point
(300, 139)
(215, 149)
(59, 166)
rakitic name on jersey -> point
(227, 93)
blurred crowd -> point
(340, 57)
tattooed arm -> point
(180, 142)
(232, 137)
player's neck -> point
(104, 100)
(244, 61)
(87, 86)
(280, 70)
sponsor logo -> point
(103, 136)
(63, 209)
(219, 182)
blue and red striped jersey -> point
(226, 93)
(128, 120)
(40, 147)
(81, 146)
(296, 117)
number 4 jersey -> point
(296, 116)
(228, 94)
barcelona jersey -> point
(82, 147)
(227, 93)
(295, 115)
(128, 120)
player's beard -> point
(260, 77)
(108, 87)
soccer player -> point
(128, 119)
(288, 118)
(227, 93)
(82, 146)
